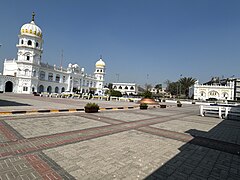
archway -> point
(41, 88)
(56, 90)
(8, 86)
(49, 89)
(63, 89)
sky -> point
(141, 41)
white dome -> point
(100, 63)
(31, 29)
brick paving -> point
(171, 143)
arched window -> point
(26, 72)
(63, 89)
(36, 44)
(115, 87)
(29, 42)
(28, 58)
(34, 73)
(120, 87)
(22, 41)
(132, 88)
(126, 87)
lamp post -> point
(180, 86)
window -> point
(28, 58)
(120, 87)
(126, 87)
(50, 76)
(64, 78)
(29, 42)
(34, 73)
(57, 78)
(36, 44)
(132, 88)
(26, 72)
(42, 75)
(22, 42)
(25, 88)
(115, 87)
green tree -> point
(172, 88)
(158, 87)
(185, 83)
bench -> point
(222, 111)
(213, 110)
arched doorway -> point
(8, 86)
(49, 89)
(41, 88)
(56, 90)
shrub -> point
(115, 93)
(92, 105)
(147, 94)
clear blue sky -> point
(161, 38)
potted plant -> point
(143, 106)
(179, 104)
(91, 108)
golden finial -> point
(33, 14)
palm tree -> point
(186, 83)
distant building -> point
(218, 89)
(126, 88)
(27, 74)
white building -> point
(27, 74)
(125, 88)
(219, 92)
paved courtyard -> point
(171, 143)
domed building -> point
(27, 74)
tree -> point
(158, 87)
(172, 88)
(148, 87)
(185, 84)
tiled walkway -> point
(172, 143)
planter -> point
(163, 105)
(143, 107)
(91, 110)
(179, 105)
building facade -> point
(126, 88)
(216, 91)
(27, 74)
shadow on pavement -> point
(12, 103)
(209, 155)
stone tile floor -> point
(171, 143)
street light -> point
(180, 86)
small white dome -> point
(100, 63)
(31, 29)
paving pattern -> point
(171, 143)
